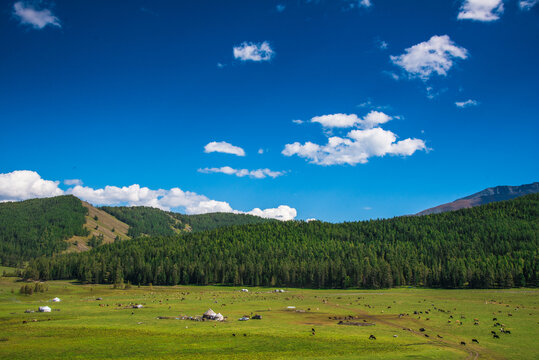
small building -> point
(56, 299)
(44, 309)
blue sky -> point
(114, 94)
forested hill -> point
(494, 245)
(151, 221)
(37, 227)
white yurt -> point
(210, 314)
(218, 317)
(44, 309)
(56, 299)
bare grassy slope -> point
(106, 225)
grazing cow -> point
(475, 341)
(494, 319)
(462, 343)
(493, 332)
(312, 330)
(496, 336)
(372, 337)
(440, 337)
(426, 335)
(422, 329)
(233, 334)
(244, 334)
(507, 331)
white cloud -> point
(297, 121)
(220, 65)
(481, 10)
(280, 7)
(526, 5)
(256, 174)
(365, 3)
(373, 119)
(434, 56)
(260, 151)
(367, 208)
(336, 120)
(467, 103)
(38, 19)
(72, 182)
(223, 147)
(253, 51)
(352, 4)
(357, 147)
(25, 184)
(370, 120)
(283, 213)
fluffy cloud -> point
(280, 7)
(481, 10)
(526, 5)
(370, 120)
(256, 174)
(434, 56)
(224, 147)
(283, 213)
(253, 51)
(357, 147)
(38, 19)
(71, 182)
(467, 103)
(24, 184)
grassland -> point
(82, 327)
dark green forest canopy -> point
(37, 227)
(494, 245)
(151, 221)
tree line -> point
(494, 245)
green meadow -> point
(82, 327)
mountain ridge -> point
(485, 196)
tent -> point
(56, 299)
(218, 317)
(210, 314)
(44, 309)
(138, 306)
(245, 290)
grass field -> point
(81, 327)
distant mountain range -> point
(493, 194)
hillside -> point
(37, 227)
(155, 222)
(494, 194)
(102, 227)
(48, 226)
(493, 245)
